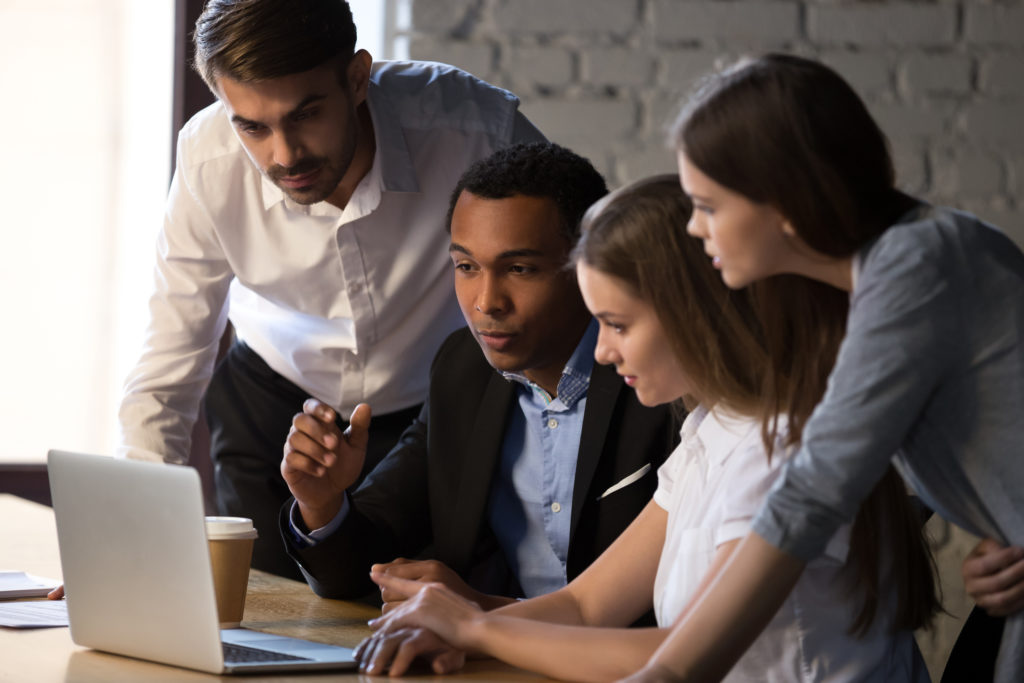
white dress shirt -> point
(349, 304)
(712, 486)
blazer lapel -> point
(480, 457)
(602, 394)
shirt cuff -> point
(310, 539)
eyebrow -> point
(306, 101)
(510, 254)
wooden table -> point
(28, 542)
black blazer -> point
(433, 487)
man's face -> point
(523, 307)
(300, 130)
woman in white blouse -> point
(675, 332)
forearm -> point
(578, 653)
(559, 607)
(730, 614)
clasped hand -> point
(432, 623)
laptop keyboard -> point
(240, 654)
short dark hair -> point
(536, 169)
(255, 40)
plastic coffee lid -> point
(229, 527)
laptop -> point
(137, 574)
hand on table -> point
(432, 622)
(430, 571)
(994, 577)
(320, 462)
(56, 594)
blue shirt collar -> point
(575, 379)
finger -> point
(384, 567)
(448, 661)
(406, 587)
(323, 433)
(299, 461)
(384, 652)
(392, 596)
(1001, 594)
(415, 570)
(320, 410)
(988, 562)
(417, 643)
(390, 605)
(358, 432)
(56, 594)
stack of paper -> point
(14, 584)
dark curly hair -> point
(255, 40)
(536, 169)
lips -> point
(630, 380)
(495, 339)
(299, 181)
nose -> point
(695, 226)
(286, 150)
(604, 350)
(490, 297)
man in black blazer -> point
(515, 398)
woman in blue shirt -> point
(789, 175)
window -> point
(86, 122)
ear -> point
(358, 75)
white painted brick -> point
(681, 69)
(643, 161)
(1003, 75)
(476, 58)
(866, 72)
(936, 74)
(994, 24)
(574, 121)
(439, 16)
(967, 173)
(907, 124)
(878, 24)
(617, 66)
(661, 111)
(578, 16)
(997, 124)
(546, 66)
(911, 171)
(760, 20)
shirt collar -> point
(575, 379)
(392, 168)
(714, 427)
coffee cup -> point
(231, 540)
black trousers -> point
(249, 409)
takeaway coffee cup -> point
(231, 540)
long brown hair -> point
(636, 234)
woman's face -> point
(632, 339)
(746, 240)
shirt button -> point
(552, 423)
(555, 507)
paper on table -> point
(14, 584)
(33, 613)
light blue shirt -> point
(530, 507)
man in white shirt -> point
(308, 206)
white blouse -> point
(712, 486)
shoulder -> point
(432, 94)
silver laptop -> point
(136, 568)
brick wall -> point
(945, 78)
